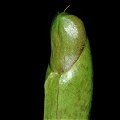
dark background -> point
(26, 53)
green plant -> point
(68, 85)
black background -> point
(26, 53)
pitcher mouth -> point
(68, 39)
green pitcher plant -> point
(68, 84)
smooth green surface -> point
(68, 85)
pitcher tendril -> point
(66, 8)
